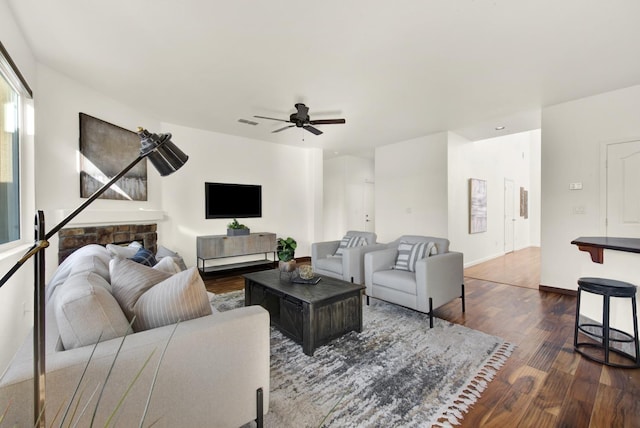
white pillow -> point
(84, 309)
(126, 252)
(168, 265)
(179, 298)
(129, 280)
(98, 257)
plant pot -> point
(289, 266)
(238, 232)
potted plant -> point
(286, 252)
(234, 229)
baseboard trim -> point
(557, 290)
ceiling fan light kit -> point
(301, 119)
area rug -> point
(396, 373)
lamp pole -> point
(167, 158)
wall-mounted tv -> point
(226, 200)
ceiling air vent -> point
(248, 122)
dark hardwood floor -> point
(544, 383)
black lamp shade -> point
(165, 156)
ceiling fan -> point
(301, 119)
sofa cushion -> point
(129, 281)
(165, 252)
(330, 263)
(400, 280)
(350, 242)
(409, 254)
(181, 297)
(84, 309)
(91, 257)
(144, 257)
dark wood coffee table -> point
(309, 314)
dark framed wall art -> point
(105, 149)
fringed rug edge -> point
(452, 412)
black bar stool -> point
(607, 288)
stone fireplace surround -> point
(72, 238)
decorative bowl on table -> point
(305, 272)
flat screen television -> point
(225, 200)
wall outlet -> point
(575, 186)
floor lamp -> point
(166, 158)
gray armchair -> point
(434, 280)
(350, 265)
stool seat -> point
(607, 288)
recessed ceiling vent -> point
(248, 122)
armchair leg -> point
(367, 300)
(259, 408)
(462, 296)
(430, 312)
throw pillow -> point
(84, 309)
(409, 254)
(165, 252)
(144, 256)
(168, 265)
(350, 242)
(125, 252)
(64, 270)
(129, 281)
(179, 298)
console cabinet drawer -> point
(218, 246)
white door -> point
(509, 216)
(623, 189)
(369, 206)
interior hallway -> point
(520, 268)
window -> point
(12, 89)
(9, 164)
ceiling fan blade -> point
(312, 129)
(272, 118)
(327, 121)
(282, 129)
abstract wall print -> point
(477, 205)
(105, 149)
(524, 203)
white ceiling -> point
(395, 70)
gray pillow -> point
(182, 297)
(350, 242)
(165, 252)
(84, 309)
(129, 280)
(409, 254)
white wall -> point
(59, 102)
(572, 136)
(16, 295)
(288, 176)
(510, 156)
(344, 180)
(411, 188)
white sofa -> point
(211, 374)
(420, 282)
(349, 266)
